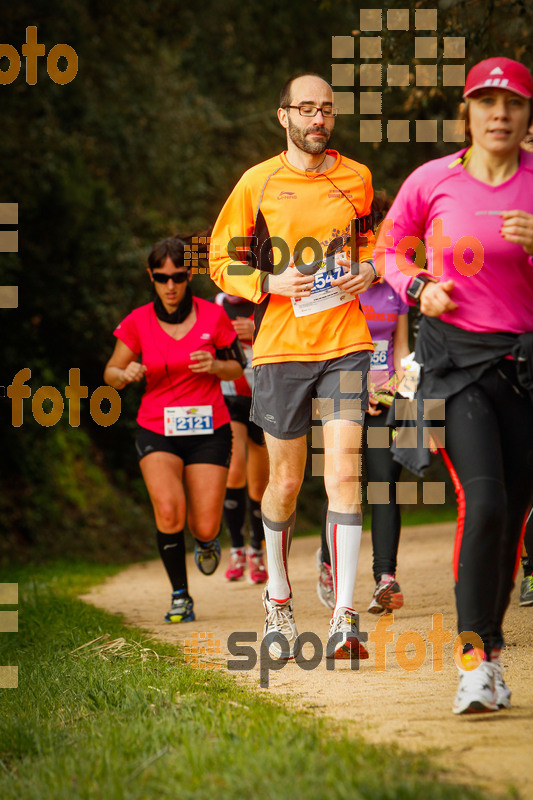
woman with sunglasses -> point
(474, 210)
(186, 347)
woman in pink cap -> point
(474, 211)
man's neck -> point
(308, 162)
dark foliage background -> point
(171, 103)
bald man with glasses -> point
(282, 241)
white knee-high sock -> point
(278, 538)
(344, 539)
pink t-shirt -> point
(169, 381)
(493, 278)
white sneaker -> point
(476, 693)
(501, 690)
(280, 619)
(348, 644)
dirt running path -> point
(411, 708)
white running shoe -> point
(476, 693)
(501, 690)
(280, 619)
(348, 644)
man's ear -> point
(283, 115)
(150, 274)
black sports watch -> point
(414, 290)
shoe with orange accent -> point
(345, 640)
(387, 596)
(476, 693)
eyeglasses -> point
(176, 277)
(312, 111)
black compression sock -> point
(257, 532)
(172, 551)
(527, 566)
(325, 549)
(234, 513)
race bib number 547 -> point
(323, 295)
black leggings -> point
(528, 538)
(386, 521)
(489, 451)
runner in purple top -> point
(474, 210)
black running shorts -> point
(212, 448)
(239, 411)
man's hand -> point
(353, 284)
(517, 227)
(244, 328)
(291, 282)
(435, 299)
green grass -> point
(141, 724)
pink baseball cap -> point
(499, 73)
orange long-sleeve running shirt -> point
(271, 210)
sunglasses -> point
(176, 277)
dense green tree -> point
(171, 103)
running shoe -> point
(207, 556)
(324, 587)
(237, 562)
(181, 608)
(280, 619)
(348, 645)
(257, 571)
(501, 690)
(476, 693)
(387, 596)
(526, 592)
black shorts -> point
(239, 411)
(212, 448)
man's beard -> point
(313, 146)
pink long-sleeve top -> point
(457, 217)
